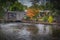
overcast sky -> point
(26, 2)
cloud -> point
(26, 2)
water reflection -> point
(44, 29)
(26, 31)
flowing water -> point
(25, 31)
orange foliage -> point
(32, 12)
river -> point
(25, 31)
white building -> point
(14, 15)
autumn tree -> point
(32, 12)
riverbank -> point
(34, 22)
(39, 22)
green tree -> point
(56, 4)
(34, 3)
(4, 4)
(16, 7)
(49, 6)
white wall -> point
(20, 15)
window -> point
(11, 15)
